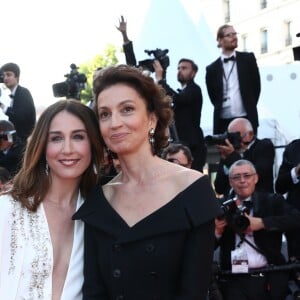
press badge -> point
(239, 261)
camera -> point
(72, 87)
(160, 55)
(219, 139)
(9, 136)
(234, 215)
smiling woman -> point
(150, 230)
(41, 249)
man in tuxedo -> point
(255, 245)
(21, 110)
(187, 105)
(260, 152)
(288, 182)
(233, 82)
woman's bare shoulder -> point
(181, 177)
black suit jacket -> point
(129, 54)
(278, 217)
(249, 81)
(12, 160)
(261, 154)
(284, 185)
(22, 113)
(187, 113)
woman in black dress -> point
(149, 232)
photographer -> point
(260, 152)
(288, 182)
(242, 250)
(187, 105)
(11, 148)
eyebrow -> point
(120, 104)
(73, 131)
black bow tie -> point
(11, 96)
(225, 60)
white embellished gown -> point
(26, 255)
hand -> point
(159, 71)
(255, 223)
(123, 29)
(225, 150)
(122, 25)
(219, 226)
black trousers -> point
(267, 286)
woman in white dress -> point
(41, 247)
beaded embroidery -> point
(31, 228)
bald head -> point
(241, 125)
(244, 127)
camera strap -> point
(243, 239)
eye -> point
(127, 109)
(55, 138)
(103, 115)
(79, 136)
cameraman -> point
(259, 245)
(11, 148)
(187, 108)
(260, 152)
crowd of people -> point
(109, 200)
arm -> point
(197, 266)
(228, 157)
(127, 44)
(285, 217)
(255, 76)
(284, 181)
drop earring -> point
(47, 169)
(151, 136)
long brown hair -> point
(31, 183)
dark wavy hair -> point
(153, 94)
(31, 183)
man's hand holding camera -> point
(255, 224)
(225, 150)
(159, 71)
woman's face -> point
(123, 119)
(68, 150)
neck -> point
(227, 52)
(64, 194)
(139, 170)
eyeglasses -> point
(230, 34)
(176, 161)
(239, 177)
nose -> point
(115, 120)
(67, 146)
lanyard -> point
(225, 97)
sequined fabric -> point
(26, 255)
